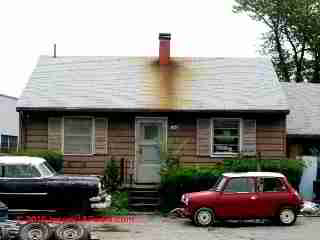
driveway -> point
(158, 227)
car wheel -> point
(71, 231)
(35, 231)
(203, 217)
(287, 216)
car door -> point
(21, 187)
(273, 193)
(238, 198)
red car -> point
(251, 195)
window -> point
(20, 171)
(240, 185)
(226, 136)
(9, 142)
(271, 185)
(78, 135)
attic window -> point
(78, 135)
(225, 136)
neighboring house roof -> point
(6, 96)
(140, 83)
(304, 104)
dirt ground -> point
(158, 227)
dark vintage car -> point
(251, 195)
(31, 183)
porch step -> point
(144, 198)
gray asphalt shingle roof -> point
(304, 104)
(140, 83)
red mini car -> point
(251, 195)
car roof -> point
(21, 160)
(254, 174)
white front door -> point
(150, 143)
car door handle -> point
(253, 198)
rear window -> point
(271, 185)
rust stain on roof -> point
(167, 84)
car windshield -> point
(219, 184)
(46, 170)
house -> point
(135, 108)
(8, 123)
(303, 122)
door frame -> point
(138, 120)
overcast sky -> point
(202, 28)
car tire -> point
(35, 231)
(71, 231)
(203, 217)
(287, 216)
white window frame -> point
(226, 154)
(93, 149)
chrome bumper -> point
(101, 201)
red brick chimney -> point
(164, 48)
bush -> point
(55, 159)
(178, 181)
(111, 175)
(291, 168)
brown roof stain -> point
(167, 83)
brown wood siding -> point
(36, 132)
(271, 135)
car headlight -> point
(185, 199)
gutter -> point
(86, 110)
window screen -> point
(78, 136)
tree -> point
(293, 36)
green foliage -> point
(179, 180)
(119, 200)
(291, 168)
(292, 38)
(111, 175)
(54, 158)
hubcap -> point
(35, 234)
(287, 216)
(204, 217)
(70, 233)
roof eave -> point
(53, 109)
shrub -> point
(54, 158)
(180, 180)
(291, 168)
(111, 175)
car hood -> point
(202, 194)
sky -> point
(199, 28)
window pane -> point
(226, 136)
(271, 185)
(4, 141)
(240, 185)
(78, 136)
(151, 132)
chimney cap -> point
(164, 36)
